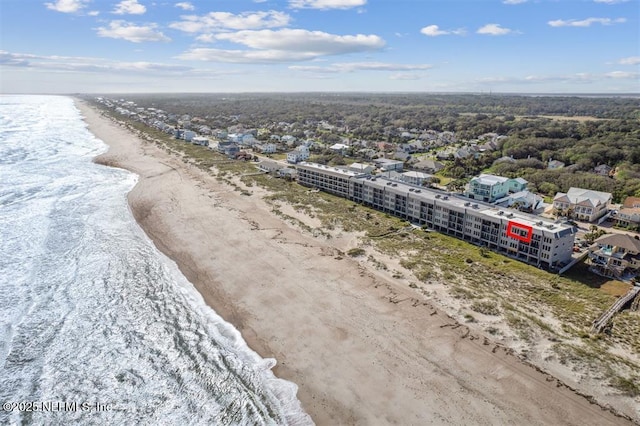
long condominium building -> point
(530, 239)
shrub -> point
(355, 252)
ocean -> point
(96, 325)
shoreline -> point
(355, 357)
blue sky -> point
(118, 46)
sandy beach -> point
(362, 348)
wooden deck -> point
(601, 323)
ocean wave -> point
(92, 312)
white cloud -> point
(405, 76)
(206, 38)
(585, 22)
(67, 6)
(611, 1)
(434, 31)
(494, 30)
(514, 1)
(317, 43)
(314, 69)
(360, 66)
(623, 75)
(86, 64)
(129, 7)
(326, 4)
(632, 60)
(185, 5)
(93, 13)
(244, 56)
(130, 32)
(284, 45)
(218, 21)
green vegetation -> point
(356, 252)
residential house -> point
(522, 200)
(269, 166)
(446, 154)
(304, 152)
(200, 140)
(602, 170)
(391, 175)
(301, 153)
(293, 157)
(288, 139)
(401, 156)
(248, 139)
(490, 188)
(464, 152)
(231, 150)
(412, 147)
(582, 204)
(235, 137)
(385, 146)
(287, 173)
(267, 148)
(428, 166)
(361, 168)
(505, 159)
(339, 148)
(416, 178)
(615, 255)
(386, 164)
(447, 137)
(367, 153)
(555, 164)
(628, 215)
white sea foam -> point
(91, 312)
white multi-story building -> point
(525, 237)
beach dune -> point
(362, 348)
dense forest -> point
(581, 131)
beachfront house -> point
(188, 135)
(269, 166)
(301, 153)
(200, 140)
(615, 255)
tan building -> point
(629, 214)
(582, 204)
(615, 255)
